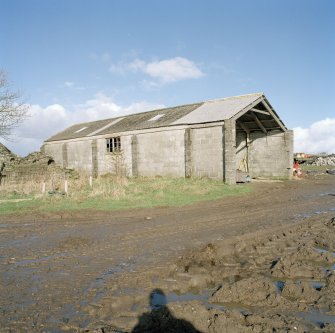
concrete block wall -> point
(103, 163)
(213, 152)
(161, 153)
(79, 155)
(207, 154)
(107, 161)
(127, 154)
(55, 149)
(271, 155)
(229, 148)
(241, 151)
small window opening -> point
(113, 144)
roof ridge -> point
(166, 108)
(233, 97)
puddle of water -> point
(323, 250)
(280, 285)
(158, 299)
(320, 249)
(39, 260)
(317, 285)
(14, 225)
(317, 318)
(232, 307)
(21, 242)
(324, 194)
(100, 282)
(173, 297)
(318, 212)
(329, 270)
(303, 216)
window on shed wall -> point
(113, 144)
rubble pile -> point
(5, 155)
(35, 167)
(326, 160)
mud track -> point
(94, 271)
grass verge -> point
(320, 168)
(108, 195)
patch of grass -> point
(322, 168)
(108, 194)
(10, 205)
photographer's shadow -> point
(160, 319)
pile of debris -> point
(35, 167)
(325, 160)
(5, 155)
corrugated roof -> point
(219, 109)
(131, 122)
(204, 112)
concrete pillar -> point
(188, 152)
(94, 158)
(288, 138)
(134, 156)
(64, 155)
(229, 152)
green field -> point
(107, 195)
(321, 168)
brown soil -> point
(261, 262)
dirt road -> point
(64, 272)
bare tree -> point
(12, 108)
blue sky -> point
(80, 60)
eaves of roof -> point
(197, 113)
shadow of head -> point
(160, 319)
(157, 299)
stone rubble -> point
(326, 160)
(35, 167)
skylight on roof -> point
(81, 129)
(106, 126)
(156, 117)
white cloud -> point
(68, 84)
(319, 137)
(169, 70)
(164, 71)
(45, 122)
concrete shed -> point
(217, 139)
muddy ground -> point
(261, 262)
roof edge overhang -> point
(262, 99)
(266, 108)
(139, 131)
